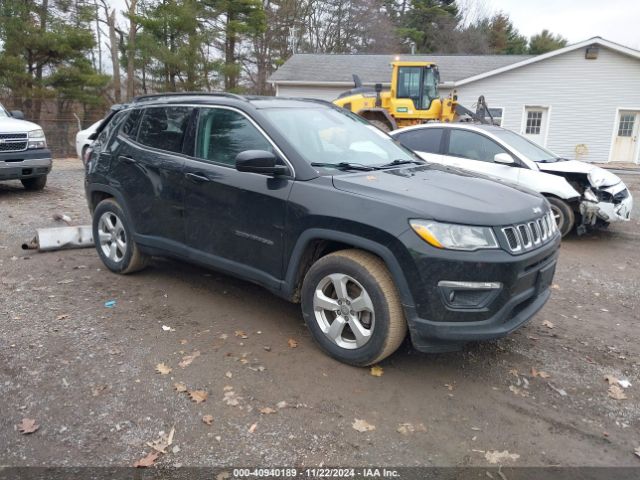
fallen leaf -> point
(514, 372)
(494, 456)
(180, 387)
(377, 371)
(241, 334)
(547, 324)
(184, 341)
(408, 428)
(147, 461)
(187, 359)
(161, 444)
(267, 410)
(362, 425)
(228, 374)
(163, 369)
(28, 425)
(198, 396)
(98, 389)
(281, 405)
(230, 397)
(617, 393)
(518, 391)
(208, 419)
(252, 428)
(539, 373)
(611, 380)
(62, 317)
(292, 343)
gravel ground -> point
(87, 374)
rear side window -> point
(130, 126)
(164, 128)
(223, 134)
(472, 145)
(422, 140)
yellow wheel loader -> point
(413, 99)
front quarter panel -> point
(547, 183)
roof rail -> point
(153, 96)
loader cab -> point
(415, 81)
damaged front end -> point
(605, 200)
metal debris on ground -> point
(50, 239)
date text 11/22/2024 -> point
(315, 473)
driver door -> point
(234, 220)
(473, 151)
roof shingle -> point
(325, 68)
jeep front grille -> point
(525, 237)
(13, 142)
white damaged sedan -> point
(581, 194)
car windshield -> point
(326, 135)
(529, 149)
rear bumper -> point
(27, 164)
(525, 281)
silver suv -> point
(23, 151)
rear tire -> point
(112, 235)
(34, 183)
(563, 214)
(352, 307)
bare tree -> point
(131, 47)
(114, 48)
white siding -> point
(582, 96)
(322, 93)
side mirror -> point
(17, 114)
(504, 158)
(259, 161)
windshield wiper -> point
(400, 162)
(344, 166)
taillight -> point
(87, 155)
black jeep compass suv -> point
(320, 207)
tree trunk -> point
(115, 59)
(230, 75)
(131, 50)
(37, 104)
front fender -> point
(548, 184)
(357, 242)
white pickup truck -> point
(23, 151)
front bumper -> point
(615, 205)
(525, 281)
(27, 164)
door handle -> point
(126, 159)
(197, 177)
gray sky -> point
(576, 20)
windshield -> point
(326, 135)
(531, 150)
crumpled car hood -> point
(576, 166)
(446, 194)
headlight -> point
(599, 177)
(590, 196)
(37, 139)
(454, 237)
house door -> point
(626, 137)
(536, 120)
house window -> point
(534, 122)
(625, 129)
(496, 114)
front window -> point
(223, 134)
(471, 145)
(529, 149)
(327, 135)
(419, 84)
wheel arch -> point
(317, 242)
(378, 114)
(99, 192)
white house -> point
(581, 101)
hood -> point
(602, 177)
(13, 125)
(446, 194)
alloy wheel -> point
(112, 237)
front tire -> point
(113, 238)
(352, 307)
(34, 183)
(563, 214)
